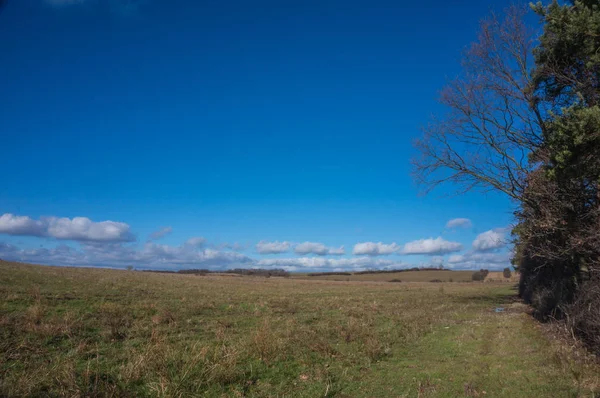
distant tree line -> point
(378, 271)
(524, 120)
(239, 271)
(329, 273)
(399, 270)
(259, 272)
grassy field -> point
(95, 332)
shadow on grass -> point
(489, 299)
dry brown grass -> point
(94, 332)
(494, 276)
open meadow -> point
(426, 275)
(99, 332)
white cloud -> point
(161, 233)
(236, 247)
(490, 240)
(459, 223)
(11, 224)
(375, 249)
(195, 241)
(83, 229)
(150, 255)
(337, 251)
(303, 262)
(346, 264)
(276, 247)
(318, 249)
(78, 229)
(431, 246)
(475, 260)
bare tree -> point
(494, 121)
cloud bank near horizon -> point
(112, 243)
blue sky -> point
(247, 124)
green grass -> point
(94, 332)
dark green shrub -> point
(478, 276)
